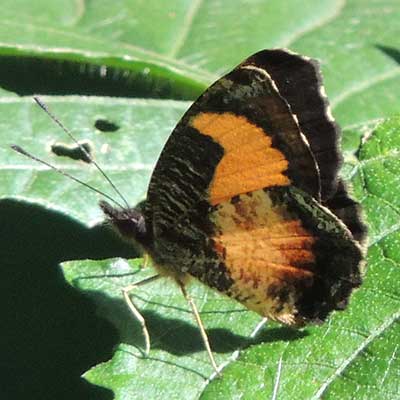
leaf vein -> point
(187, 24)
(374, 334)
(312, 27)
(392, 358)
(363, 85)
(277, 379)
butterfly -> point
(246, 198)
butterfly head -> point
(129, 222)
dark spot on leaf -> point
(74, 152)
(104, 125)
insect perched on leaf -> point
(246, 197)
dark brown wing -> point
(299, 82)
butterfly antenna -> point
(44, 107)
(20, 150)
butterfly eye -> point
(129, 222)
(127, 227)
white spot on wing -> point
(323, 92)
(328, 111)
(329, 114)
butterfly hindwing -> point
(273, 244)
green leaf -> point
(153, 50)
(126, 155)
(177, 366)
(196, 41)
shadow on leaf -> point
(391, 52)
(51, 333)
(277, 334)
(179, 336)
(28, 76)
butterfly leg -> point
(146, 260)
(135, 311)
(200, 325)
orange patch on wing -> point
(249, 162)
(266, 251)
